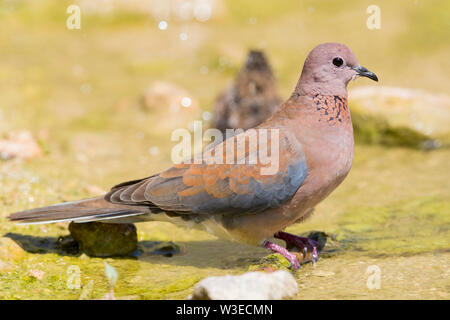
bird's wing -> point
(222, 188)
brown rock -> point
(20, 145)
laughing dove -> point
(252, 99)
(239, 199)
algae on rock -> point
(400, 117)
(99, 239)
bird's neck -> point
(311, 84)
(332, 109)
(324, 109)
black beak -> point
(363, 72)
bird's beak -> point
(363, 72)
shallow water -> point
(393, 212)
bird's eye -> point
(338, 61)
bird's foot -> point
(306, 246)
(292, 258)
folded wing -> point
(213, 188)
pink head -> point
(328, 69)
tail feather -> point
(88, 210)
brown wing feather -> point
(221, 188)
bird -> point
(237, 200)
(251, 99)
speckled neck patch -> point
(332, 109)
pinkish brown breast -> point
(326, 134)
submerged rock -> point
(167, 249)
(248, 286)
(99, 239)
(271, 263)
(319, 236)
(400, 116)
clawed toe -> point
(305, 246)
(294, 261)
(291, 257)
(296, 247)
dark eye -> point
(338, 61)
(254, 110)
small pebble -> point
(36, 273)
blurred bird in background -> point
(251, 99)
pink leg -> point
(284, 252)
(307, 246)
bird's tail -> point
(95, 209)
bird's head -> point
(328, 69)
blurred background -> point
(83, 109)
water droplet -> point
(183, 36)
(206, 115)
(186, 102)
(154, 151)
(162, 25)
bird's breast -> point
(326, 134)
(329, 159)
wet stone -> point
(251, 285)
(167, 249)
(98, 239)
(319, 236)
(68, 245)
(271, 263)
(400, 116)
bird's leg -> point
(292, 258)
(307, 246)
